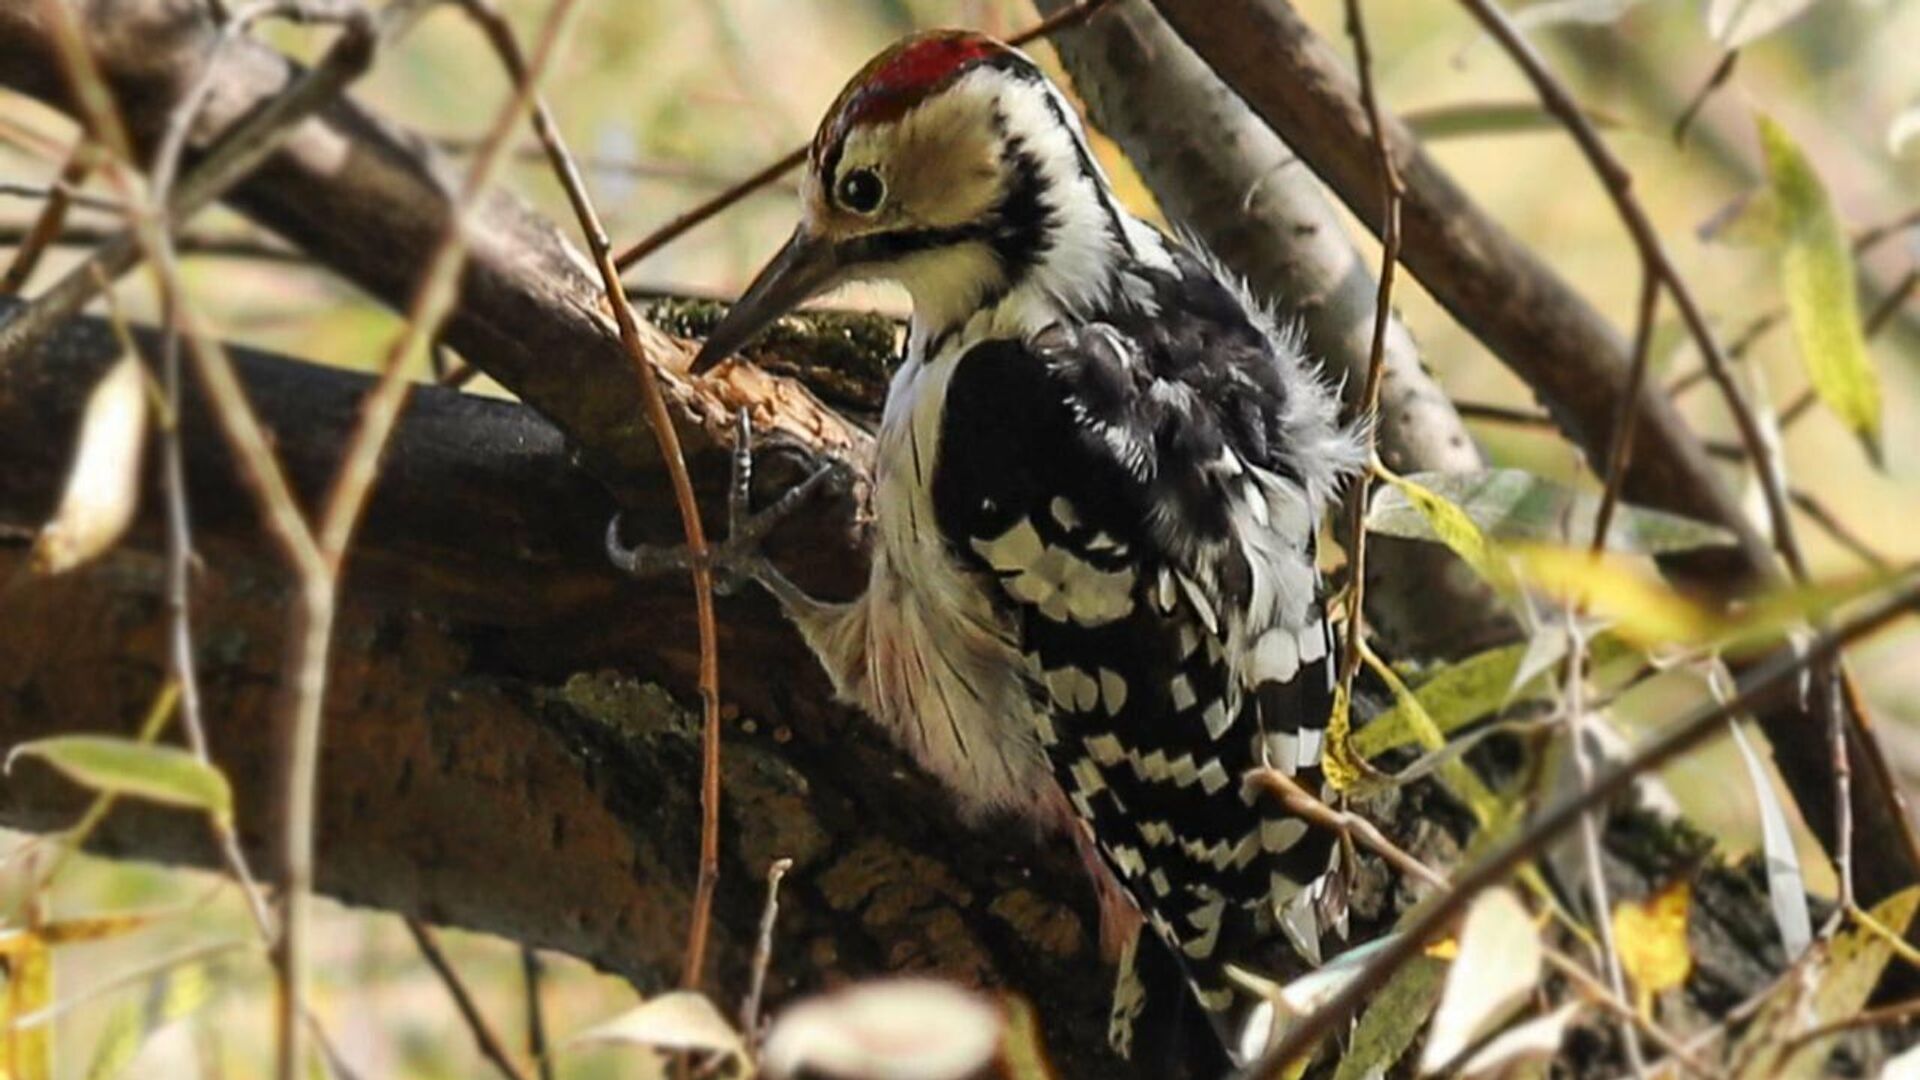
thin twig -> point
(484, 1036)
(1626, 420)
(1885, 1014)
(1390, 192)
(1891, 304)
(762, 953)
(58, 191)
(530, 979)
(1722, 71)
(1590, 821)
(226, 163)
(1767, 680)
(53, 213)
(705, 211)
(353, 482)
(1302, 804)
(179, 551)
(500, 34)
(1618, 183)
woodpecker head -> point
(950, 165)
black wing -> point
(1110, 493)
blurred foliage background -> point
(671, 100)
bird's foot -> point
(739, 557)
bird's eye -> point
(861, 191)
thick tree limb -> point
(1571, 356)
(507, 747)
(369, 201)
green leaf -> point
(1489, 118)
(1393, 1019)
(1512, 504)
(171, 995)
(1454, 697)
(116, 766)
(1734, 23)
(1816, 273)
(1845, 978)
(1447, 523)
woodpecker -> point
(1100, 471)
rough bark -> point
(369, 201)
(508, 742)
(1218, 170)
(509, 745)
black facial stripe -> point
(1022, 222)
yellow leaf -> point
(29, 1050)
(1816, 273)
(1652, 938)
(1455, 529)
(169, 996)
(129, 767)
(1456, 695)
(1338, 765)
(1023, 1048)
(1641, 609)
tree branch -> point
(1217, 169)
(1548, 334)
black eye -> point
(861, 191)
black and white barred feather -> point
(1137, 486)
(1097, 488)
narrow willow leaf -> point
(1495, 971)
(677, 1020)
(1339, 767)
(1652, 939)
(1905, 129)
(1816, 273)
(28, 1050)
(1490, 118)
(1522, 1047)
(1456, 695)
(1844, 978)
(1388, 1026)
(163, 774)
(172, 995)
(1640, 609)
(1023, 1049)
(1455, 775)
(1734, 23)
(1448, 524)
(86, 928)
(1547, 13)
(1512, 504)
(1786, 885)
(103, 486)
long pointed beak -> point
(806, 266)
